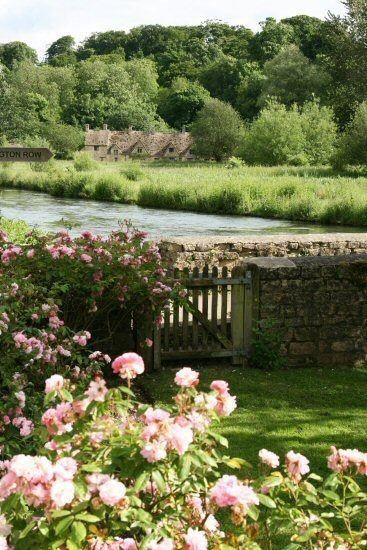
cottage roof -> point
(155, 143)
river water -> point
(51, 213)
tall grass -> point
(295, 193)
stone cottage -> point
(110, 146)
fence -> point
(215, 319)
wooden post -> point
(157, 337)
(145, 330)
(237, 316)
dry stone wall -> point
(318, 304)
(229, 251)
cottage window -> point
(191, 152)
(171, 150)
(116, 152)
(96, 147)
(140, 149)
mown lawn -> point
(306, 410)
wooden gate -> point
(214, 321)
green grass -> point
(314, 194)
(16, 230)
(306, 410)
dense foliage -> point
(156, 77)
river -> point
(51, 213)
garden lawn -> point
(306, 410)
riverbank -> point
(298, 194)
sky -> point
(40, 22)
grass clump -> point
(132, 171)
(17, 230)
(83, 162)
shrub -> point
(132, 171)
(266, 347)
(234, 162)
(115, 473)
(84, 162)
(275, 137)
(295, 137)
(110, 187)
(17, 230)
(352, 146)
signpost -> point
(24, 154)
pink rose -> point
(219, 386)
(229, 491)
(62, 492)
(269, 458)
(54, 383)
(153, 452)
(112, 492)
(297, 465)
(86, 258)
(196, 540)
(187, 378)
(128, 365)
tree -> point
(353, 143)
(320, 131)
(270, 40)
(102, 43)
(222, 78)
(345, 58)
(62, 51)
(276, 137)
(231, 40)
(308, 34)
(16, 52)
(217, 130)
(179, 105)
(280, 136)
(292, 78)
(249, 90)
(64, 139)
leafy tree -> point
(179, 105)
(345, 58)
(276, 137)
(102, 43)
(231, 40)
(222, 78)
(270, 40)
(249, 90)
(292, 78)
(353, 142)
(217, 130)
(320, 131)
(62, 51)
(308, 34)
(64, 139)
(16, 52)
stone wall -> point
(319, 305)
(229, 251)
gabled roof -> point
(154, 143)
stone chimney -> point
(105, 127)
(87, 127)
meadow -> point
(295, 193)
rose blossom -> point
(128, 365)
(112, 492)
(187, 378)
(54, 383)
(269, 458)
(297, 465)
(62, 492)
(219, 386)
(229, 491)
(195, 540)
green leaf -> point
(185, 466)
(63, 525)
(253, 512)
(266, 501)
(237, 463)
(78, 532)
(158, 479)
(88, 518)
(27, 530)
(60, 513)
(70, 545)
(66, 395)
(141, 481)
(330, 494)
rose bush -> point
(53, 293)
(116, 474)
